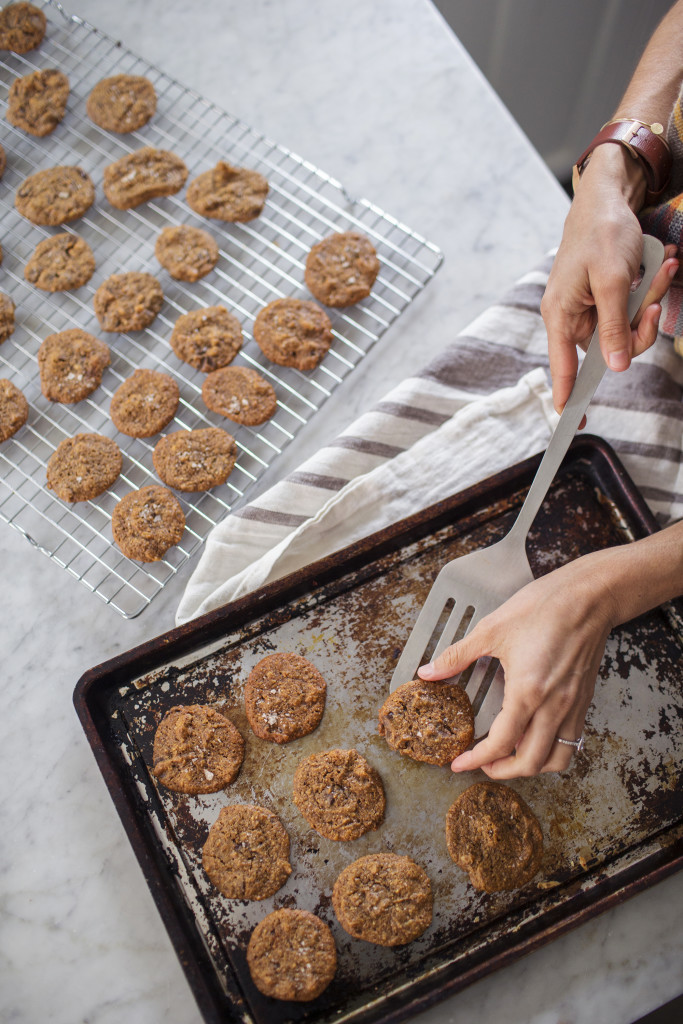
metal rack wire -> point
(259, 261)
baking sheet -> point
(258, 262)
(605, 823)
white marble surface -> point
(382, 97)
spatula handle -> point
(589, 376)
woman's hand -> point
(550, 638)
(598, 260)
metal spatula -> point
(479, 582)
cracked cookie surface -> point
(383, 898)
(339, 794)
(197, 749)
(284, 697)
(246, 854)
(428, 721)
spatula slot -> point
(488, 668)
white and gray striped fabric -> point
(483, 404)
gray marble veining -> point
(384, 98)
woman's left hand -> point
(550, 638)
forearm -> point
(656, 82)
(633, 578)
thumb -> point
(455, 658)
(615, 330)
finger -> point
(532, 751)
(646, 333)
(613, 324)
(456, 658)
(508, 725)
(564, 363)
(660, 285)
(571, 728)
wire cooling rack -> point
(258, 262)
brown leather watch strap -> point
(645, 143)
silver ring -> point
(578, 745)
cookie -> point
(207, 338)
(71, 365)
(284, 697)
(228, 193)
(83, 467)
(145, 403)
(187, 253)
(22, 27)
(241, 394)
(341, 269)
(195, 460)
(13, 409)
(122, 103)
(7, 309)
(246, 854)
(383, 898)
(292, 955)
(55, 196)
(146, 523)
(293, 332)
(37, 102)
(60, 263)
(495, 836)
(197, 749)
(128, 302)
(339, 794)
(146, 174)
(427, 721)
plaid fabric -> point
(665, 221)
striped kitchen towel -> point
(483, 404)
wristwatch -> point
(644, 142)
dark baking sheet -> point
(612, 825)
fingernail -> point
(618, 360)
(426, 669)
(673, 270)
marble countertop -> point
(382, 97)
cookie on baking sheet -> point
(207, 338)
(495, 836)
(284, 697)
(55, 195)
(246, 854)
(13, 409)
(122, 103)
(427, 721)
(241, 394)
(383, 898)
(71, 365)
(7, 310)
(197, 749)
(83, 467)
(195, 460)
(339, 794)
(145, 403)
(147, 522)
(60, 263)
(293, 332)
(187, 253)
(228, 193)
(341, 269)
(292, 955)
(22, 27)
(37, 102)
(128, 302)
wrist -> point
(611, 167)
